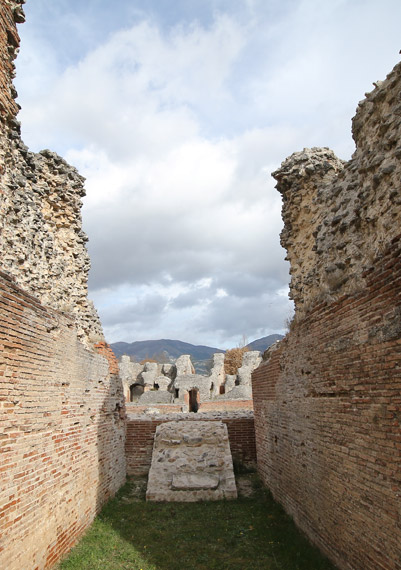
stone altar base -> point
(191, 462)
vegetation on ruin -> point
(148, 359)
(250, 533)
(233, 359)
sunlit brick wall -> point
(61, 432)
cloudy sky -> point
(176, 112)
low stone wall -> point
(162, 408)
(61, 431)
(226, 405)
(141, 430)
(208, 406)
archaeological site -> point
(319, 413)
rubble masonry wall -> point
(61, 401)
(42, 243)
(328, 401)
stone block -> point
(191, 462)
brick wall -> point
(328, 416)
(61, 432)
(141, 430)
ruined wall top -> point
(339, 216)
(11, 13)
(42, 243)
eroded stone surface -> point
(191, 462)
(172, 383)
(327, 406)
(338, 217)
(194, 481)
(43, 245)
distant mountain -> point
(262, 344)
(169, 350)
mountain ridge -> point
(172, 349)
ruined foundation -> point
(153, 387)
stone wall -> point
(61, 431)
(62, 426)
(328, 400)
(339, 216)
(42, 245)
(141, 429)
(208, 406)
(10, 13)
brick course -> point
(226, 405)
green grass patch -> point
(249, 533)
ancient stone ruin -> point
(327, 398)
(151, 385)
(42, 244)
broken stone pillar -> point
(250, 361)
(191, 462)
(184, 365)
(217, 375)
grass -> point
(250, 533)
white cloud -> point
(177, 122)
